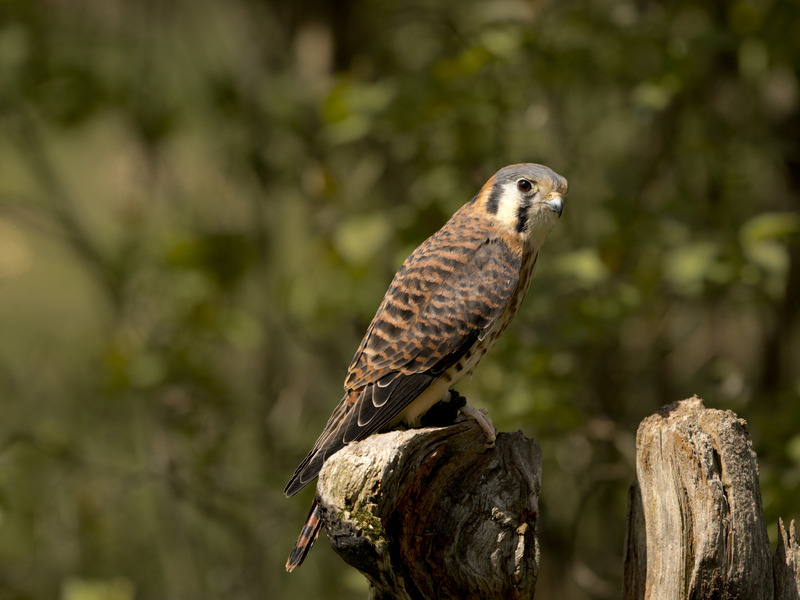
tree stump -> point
(695, 524)
(432, 513)
(786, 564)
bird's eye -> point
(525, 186)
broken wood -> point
(786, 564)
(433, 513)
(695, 523)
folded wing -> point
(440, 303)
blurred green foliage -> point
(201, 205)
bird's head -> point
(524, 200)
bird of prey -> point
(444, 310)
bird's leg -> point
(444, 412)
(479, 415)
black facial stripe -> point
(493, 203)
(522, 214)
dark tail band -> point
(308, 536)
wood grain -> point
(695, 524)
(431, 513)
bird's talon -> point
(481, 417)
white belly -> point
(439, 389)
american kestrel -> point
(445, 308)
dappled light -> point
(202, 204)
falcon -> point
(444, 310)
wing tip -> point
(296, 483)
(291, 488)
(306, 472)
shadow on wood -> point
(431, 513)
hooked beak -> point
(555, 203)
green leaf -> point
(359, 238)
(770, 226)
(584, 265)
(118, 588)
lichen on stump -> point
(433, 513)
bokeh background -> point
(202, 203)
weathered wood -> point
(431, 513)
(786, 564)
(695, 525)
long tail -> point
(308, 536)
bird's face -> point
(525, 200)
